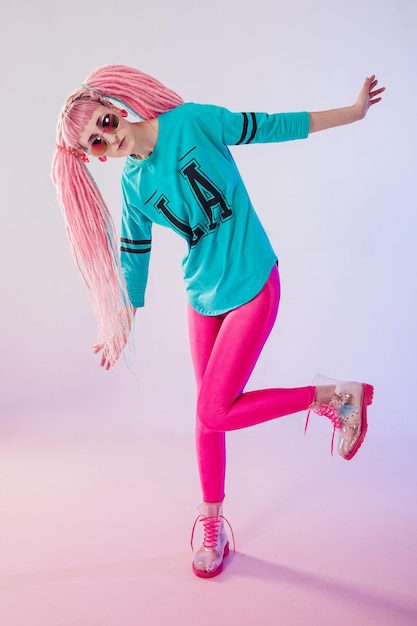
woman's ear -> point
(121, 112)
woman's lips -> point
(121, 144)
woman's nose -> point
(111, 138)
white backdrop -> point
(340, 208)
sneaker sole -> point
(368, 396)
(215, 572)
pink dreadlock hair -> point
(89, 224)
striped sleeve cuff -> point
(135, 246)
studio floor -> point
(95, 531)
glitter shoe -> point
(347, 410)
(208, 560)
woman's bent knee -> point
(212, 414)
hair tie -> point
(92, 89)
(74, 153)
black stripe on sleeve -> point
(136, 242)
(143, 251)
(254, 128)
(245, 128)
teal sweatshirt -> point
(191, 184)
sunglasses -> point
(109, 123)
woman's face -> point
(107, 133)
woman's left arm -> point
(368, 95)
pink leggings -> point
(224, 350)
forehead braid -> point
(76, 114)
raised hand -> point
(368, 96)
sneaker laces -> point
(211, 525)
(326, 410)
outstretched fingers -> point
(373, 99)
(374, 93)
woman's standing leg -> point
(210, 445)
(211, 455)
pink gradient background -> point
(98, 482)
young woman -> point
(179, 173)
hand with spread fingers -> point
(368, 96)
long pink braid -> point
(88, 221)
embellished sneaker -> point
(208, 560)
(347, 410)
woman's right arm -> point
(135, 248)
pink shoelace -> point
(211, 525)
(326, 411)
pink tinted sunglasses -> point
(109, 123)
